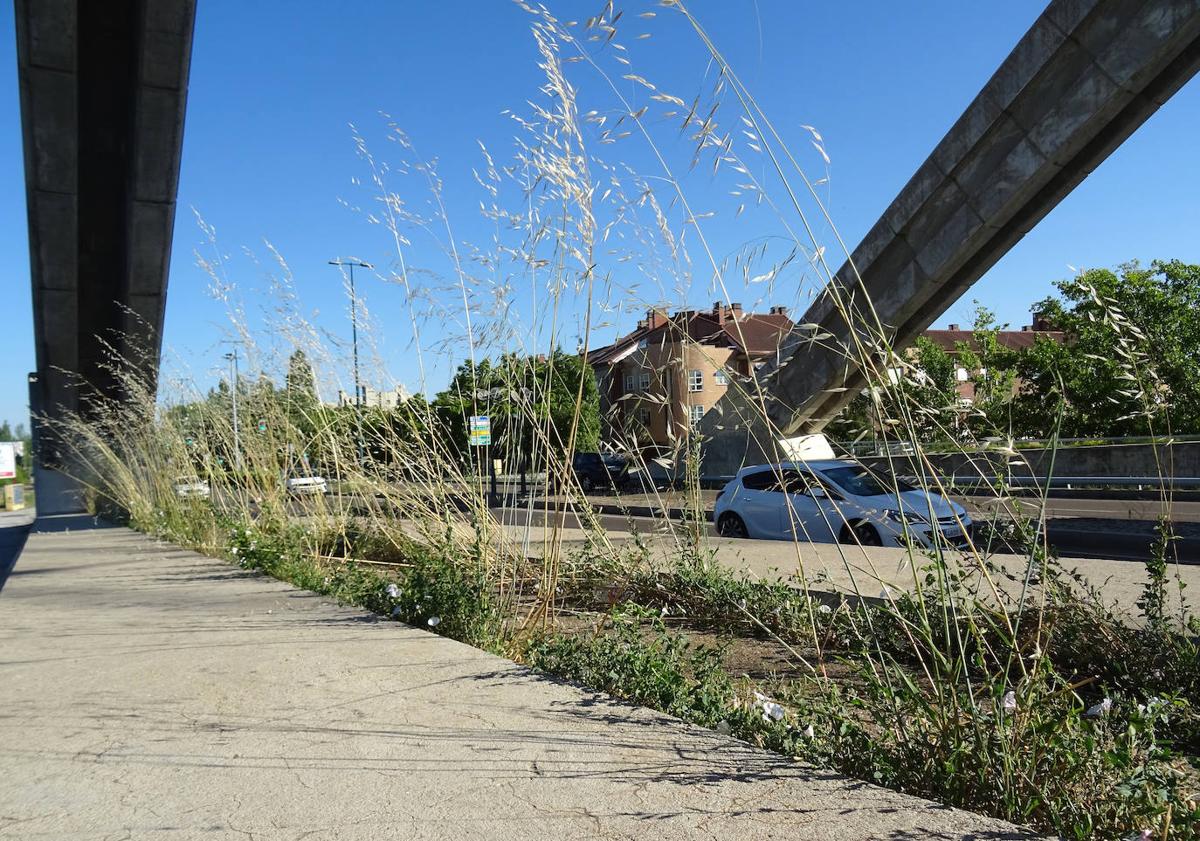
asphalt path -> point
(1114, 529)
(1104, 509)
(1058, 506)
(1071, 538)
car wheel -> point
(863, 534)
(731, 525)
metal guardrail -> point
(903, 447)
(1179, 483)
(1071, 482)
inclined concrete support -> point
(103, 88)
(1081, 80)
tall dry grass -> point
(963, 685)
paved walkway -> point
(147, 692)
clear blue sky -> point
(268, 155)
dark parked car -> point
(594, 470)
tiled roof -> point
(1011, 339)
(759, 334)
(756, 334)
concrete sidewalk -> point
(147, 692)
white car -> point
(192, 487)
(305, 485)
(835, 500)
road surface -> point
(1071, 537)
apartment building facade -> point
(954, 337)
(375, 398)
(658, 381)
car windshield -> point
(857, 480)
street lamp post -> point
(350, 264)
(237, 441)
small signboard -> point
(480, 430)
(8, 460)
(14, 497)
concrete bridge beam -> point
(103, 88)
(1081, 80)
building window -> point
(695, 380)
(695, 413)
(644, 381)
(642, 344)
(629, 383)
(960, 374)
(720, 377)
(643, 416)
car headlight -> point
(910, 517)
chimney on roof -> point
(719, 312)
(735, 310)
(655, 318)
(954, 327)
(1041, 323)
(779, 310)
(1024, 328)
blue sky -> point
(269, 155)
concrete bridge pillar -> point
(1081, 80)
(103, 88)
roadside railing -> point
(1141, 483)
(895, 447)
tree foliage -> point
(24, 465)
(1123, 360)
(531, 402)
(1130, 359)
(300, 390)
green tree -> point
(930, 392)
(991, 369)
(24, 460)
(1129, 360)
(531, 401)
(916, 402)
(300, 390)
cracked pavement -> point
(148, 692)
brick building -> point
(659, 380)
(949, 339)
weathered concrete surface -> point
(1080, 81)
(103, 90)
(147, 692)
